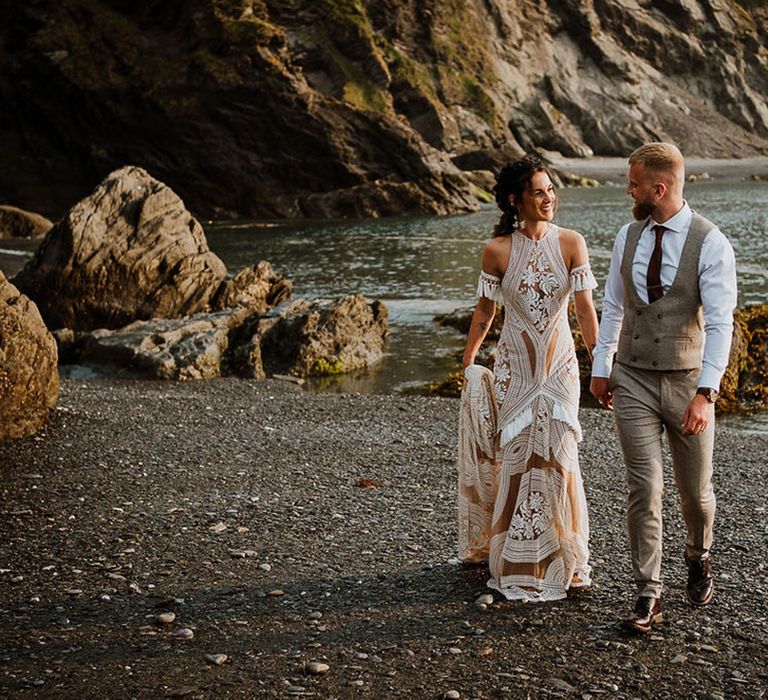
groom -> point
(668, 316)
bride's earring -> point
(521, 224)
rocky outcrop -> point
(131, 251)
(29, 377)
(283, 108)
(258, 288)
(321, 337)
(17, 223)
(745, 383)
(301, 338)
(195, 347)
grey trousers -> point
(646, 404)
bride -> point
(521, 498)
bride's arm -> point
(587, 318)
(582, 284)
(482, 319)
(489, 291)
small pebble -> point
(166, 618)
(265, 567)
(316, 668)
(452, 695)
(276, 593)
(184, 633)
(216, 659)
(485, 599)
(315, 615)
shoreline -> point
(285, 528)
(615, 169)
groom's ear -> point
(512, 200)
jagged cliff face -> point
(276, 108)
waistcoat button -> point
(634, 359)
(637, 336)
(639, 313)
(659, 316)
(655, 363)
(657, 340)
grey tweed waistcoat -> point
(667, 334)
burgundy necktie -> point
(653, 280)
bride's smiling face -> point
(539, 201)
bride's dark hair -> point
(514, 179)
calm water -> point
(425, 266)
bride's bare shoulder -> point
(568, 235)
(496, 254)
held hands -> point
(698, 415)
(601, 390)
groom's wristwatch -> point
(709, 394)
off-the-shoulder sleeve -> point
(582, 278)
(489, 286)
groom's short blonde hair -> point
(658, 156)
(664, 159)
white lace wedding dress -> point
(521, 498)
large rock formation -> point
(18, 223)
(278, 108)
(29, 377)
(132, 251)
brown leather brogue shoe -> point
(700, 586)
(647, 614)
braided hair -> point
(514, 179)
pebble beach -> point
(231, 538)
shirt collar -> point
(677, 223)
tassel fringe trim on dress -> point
(523, 419)
(489, 286)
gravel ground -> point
(285, 529)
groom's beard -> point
(642, 210)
